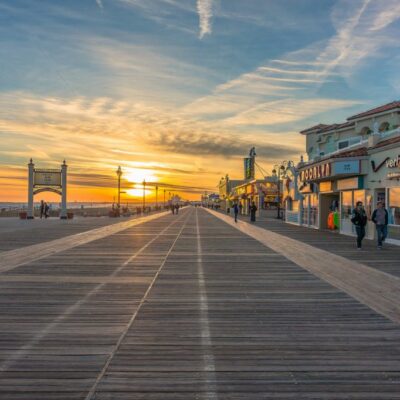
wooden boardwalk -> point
(187, 307)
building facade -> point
(263, 192)
(353, 161)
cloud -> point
(100, 4)
(288, 110)
(357, 38)
(387, 16)
(287, 89)
(204, 9)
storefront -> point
(262, 192)
(384, 182)
(330, 189)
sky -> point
(177, 91)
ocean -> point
(6, 206)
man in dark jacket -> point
(236, 211)
(253, 210)
(380, 218)
(359, 219)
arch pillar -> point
(63, 213)
(31, 170)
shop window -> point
(394, 206)
(359, 195)
(347, 204)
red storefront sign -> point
(316, 172)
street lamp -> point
(144, 194)
(277, 172)
(119, 174)
(164, 198)
(156, 197)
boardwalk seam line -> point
(208, 356)
(92, 391)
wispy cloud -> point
(100, 4)
(360, 34)
(288, 89)
(288, 110)
(204, 9)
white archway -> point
(47, 180)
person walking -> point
(380, 218)
(176, 208)
(41, 208)
(173, 208)
(236, 211)
(359, 220)
(253, 210)
(46, 210)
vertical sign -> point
(249, 168)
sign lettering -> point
(393, 162)
(316, 172)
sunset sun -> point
(136, 175)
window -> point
(349, 142)
(359, 195)
(394, 206)
(384, 126)
(365, 131)
(347, 204)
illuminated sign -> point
(316, 172)
(249, 168)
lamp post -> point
(144, 194)
(164, 198)
(277, 171)
(156, 197)
(119, 174)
